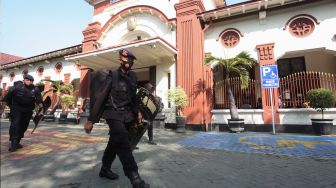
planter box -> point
(63, 118)
(236, 125)
(180, 124)
(322, 126)
(49, 118)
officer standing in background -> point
(21, 99)
(151, 89)
(115, 101)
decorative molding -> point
(142, 9)
(189, 7)
(131, 23)
(230, 37)
(301, 16)
(266, 53)
(92, 32)
(229, 29)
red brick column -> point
(4, 89)
(192, 75)
(91, 34)
(266, 57)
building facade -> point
(171, 38)
(50, 66)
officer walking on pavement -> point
(115, 101)
(21, 99)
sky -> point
(33, 27)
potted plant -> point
(240, 64)
(178, 97)
(68, 100)
(321, 99)
(59, 89)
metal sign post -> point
(273, 125)
(270, 79)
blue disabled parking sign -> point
(269, 76)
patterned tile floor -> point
(279, 144)
(45, 141)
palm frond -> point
(47, 92)
(244, 80)
(210, 59)
(48, 80)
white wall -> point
(271, 31)
(68, 67)
(287, 116)
(303, 116)
(162, 71)
(250, 116)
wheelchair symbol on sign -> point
(273, 75)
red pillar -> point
(192, 75)
(91, 34)
(4, 89)
(266, 57)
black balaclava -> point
(130, 62)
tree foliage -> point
(321, 99)
(178, 97)
(63, 92)
(240, 64)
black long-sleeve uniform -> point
(21, 100)
(114, 99)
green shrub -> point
(321, 99)
(67, 100)
(178, 98)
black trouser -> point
(150, 131)
(118, 144)
(20, 118)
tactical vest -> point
(24, 97)
(122, 91)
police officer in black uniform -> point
(21, 99)
(151, 89)
(120, 111)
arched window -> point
(58, 67)
(11, 76)
(230, 37)
(24, 72)
(40, 71)
(301, 25)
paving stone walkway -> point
(279, 144)
(63, 156)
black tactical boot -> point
(136, 181)
(107, 173)
(151, 142)
(15, 145)
(20, 145)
